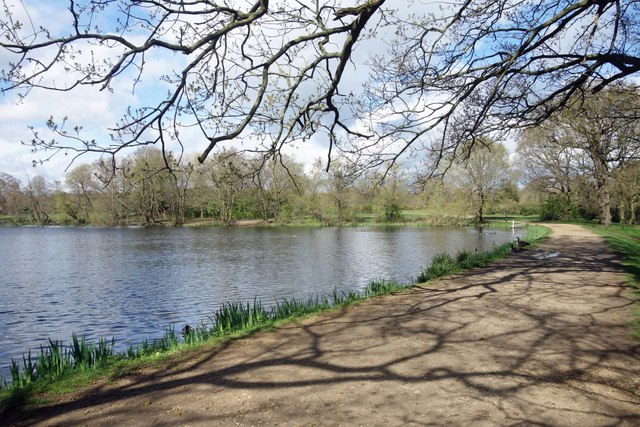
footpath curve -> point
(541, 337)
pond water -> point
(133, 283)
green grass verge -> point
(625, 241)
(59, 368)
(443, 264)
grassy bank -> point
(444, 264)
(407, 217)
(57, 365)
(625, 240)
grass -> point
(625, 240)
(57, 364)
(444, 264)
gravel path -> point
(541, 338)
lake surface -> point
(133, 283)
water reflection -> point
(134, 282)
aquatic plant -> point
(232, 317)
(345, 297)
(86, 356)
(27, 375)
(290, 308)
(55, 360)
(381, 287)
(442, 264)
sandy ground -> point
(541, 338)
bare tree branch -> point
(277, 73)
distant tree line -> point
(583, 162)
(149, 187)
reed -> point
(28, 373)
(233, 317)
(200, 333)
(291, 308)
(83, 355)
(442, 264)
(53, 360)
(344, 298)
(381, 287)
(56, 360)
(169, 341)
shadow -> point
(529, 340)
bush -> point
(558, 208)
(442, 264)
(389, 211)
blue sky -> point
(97, 111)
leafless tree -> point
(546, 164)
(38, 192)
(339, 185)
(275, 184)
(230, 177)
(11, 196)
(485, 171)
(275, 72)
(83, 186)
(482, 67)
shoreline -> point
(171, 339)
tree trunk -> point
(604, 200)
(480, 211)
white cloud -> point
(97, 111)
(94, 111)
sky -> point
(97, 111)
(94, 110)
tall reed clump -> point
(56, 360)
(233, 317)
(442, 264)
(382, 287)
(291, 308)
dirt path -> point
(539, 338)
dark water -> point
(135, 282)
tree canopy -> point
(593, 137)
(262, 75)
